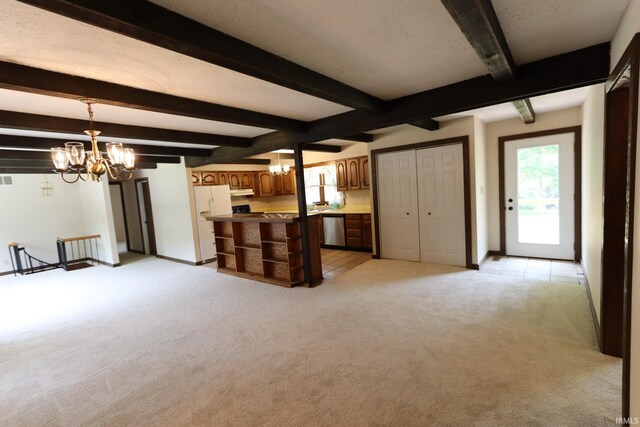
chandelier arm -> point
(70, 182)
(110, 170)
(129, 174)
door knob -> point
(407, 213)
(510, 208)
(428, 213)
(510, 200)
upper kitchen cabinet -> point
(342, 179)
(196, 178)
(285, 184)
(234, 180)
(223, 178)
(364, 172)
(266, 184)
(353, 173)
(245, 180)
(209, 178)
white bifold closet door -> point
(421, 205)
(441, 205)
(398, 206)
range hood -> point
(242, 193)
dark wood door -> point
(265, 182)
(341, 175)
(364, 172)
(353, 174)
(209, 178)
(151, 234)
(234, 180)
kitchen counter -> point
(349, 209)
(267, 217)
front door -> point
(399, 229)
(441, 201)
(539, 192)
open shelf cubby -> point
(271, 252)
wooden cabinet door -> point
(364, 172)
(341, 175)
(289, 182)
(196, 178)
(367, 235)
(223, 178)
(320, 230)
(245, 180)
(278, 184)
(255, 183)
(209, 178)
(353, 226)
(234, 180)
(353, 174)
(265, 182)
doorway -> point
(119, 216)
(145, 213)
(540, 194)
(421, 198)
(539, 189)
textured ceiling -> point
(383, 47)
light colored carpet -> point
(388, 343)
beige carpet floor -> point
(387, 343)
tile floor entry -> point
(336, 262)
(534, 268)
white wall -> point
(592, 167)
(35, 221)
(405, 135)
(480, 154)
(98, 217)
(173, 211)
(629, 25)
(544, 121)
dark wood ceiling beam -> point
(525, 109)
(428, 124)
(570, 70)
(29, 142)
(43, 82)
(39, 122)
(150, 23)
(479, 23)
(43, 156)
(358, 137)
(248, 162)
(324, 148)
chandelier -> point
(279, 169)
(73, 159)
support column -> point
(302, 213)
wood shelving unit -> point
(270, 252)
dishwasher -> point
(334, 234)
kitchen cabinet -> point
(209, 178)
(234, 180)
(255, 183)
(363, 163)
(358, 229)
(285, 184)
(353, 173)
(342, 180)
(196, 178)
(223, 178)
(245, 180)
(266, 184)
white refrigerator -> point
(210, 200)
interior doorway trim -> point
(624, 74)
(124, 212)
(577, 162)
(464, 141)
(150, 229)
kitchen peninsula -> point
(266, 247)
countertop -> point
(269, 217)
(353, 209)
